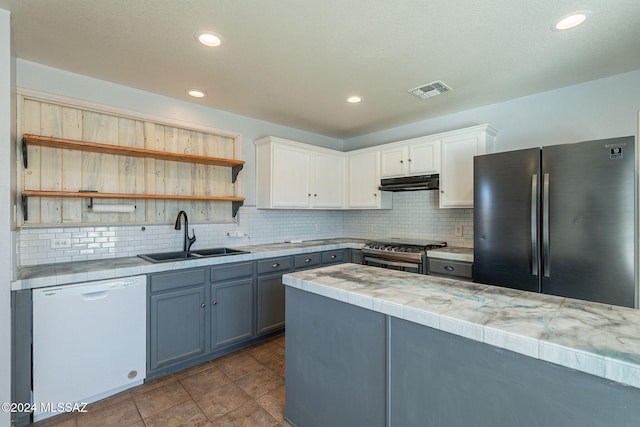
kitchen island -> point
(381, 347)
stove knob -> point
(403, 249)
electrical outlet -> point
(458, 231)
(317, 227)
(371, 228)
(60, 243)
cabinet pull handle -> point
(307, 260)
(375, 194)
(315, 195)
(214, 302)
(449, 268)
(409, 159)
(333, 256)
(309, 195)
(203, 305)
(275, 264)
(401, 161)
(442, 191)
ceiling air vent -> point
(430, 89)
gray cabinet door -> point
(176, 326)
(232, 312)
(270, 304)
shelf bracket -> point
(235, 170)
(24, 153)
(25, 208)
(234, 208)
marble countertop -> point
(38, 276)
(453, 253)
(598, 339)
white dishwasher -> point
(89, 341)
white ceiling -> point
(294, 62)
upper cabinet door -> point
(456, 178)
(290, 174)
(327, 180)
(392, 162)
(364, 180)
(424, 158)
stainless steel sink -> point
(184, 255)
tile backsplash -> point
(414, 214)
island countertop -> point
(597, 339)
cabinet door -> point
(392, 162)
(456, 179)
(176, 326)
(364, 180)
(326, 181)
(270, 304)
(424, 158)
(231, 312)
(290, 175)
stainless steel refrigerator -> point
(559, 220)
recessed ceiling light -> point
(197, 93)
(354, 99)
(571, 20)
(208, 39)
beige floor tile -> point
(238, 366)
(273, 403)
(204, 381)
(222, 400)
(62, 420)
(259, 382)
(248, 415)
(121, 413)
(161, 398)
(185, 414)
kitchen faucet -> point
(188, 241)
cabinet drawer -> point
(233, 271)
(333, 257)
(274, 265)
(178, 279)
(307, 261)
(455, 269)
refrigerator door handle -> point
(546, 268)
(534, 225)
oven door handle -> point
(391, 263)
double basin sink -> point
(183, 255)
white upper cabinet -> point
(458, 150)
(327, 182)
(364, 180)
(419, 156)
(299, 176)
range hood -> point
(411, 183)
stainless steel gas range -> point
(399, 254)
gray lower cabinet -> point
(336, 363)
(176, 320)
(271, 293)
(232, 307)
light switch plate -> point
(458, 231)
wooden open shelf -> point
(49, 141)
(236, 201)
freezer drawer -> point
(89, 341)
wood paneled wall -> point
(68, 170)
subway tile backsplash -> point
(414, 215)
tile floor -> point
(245, 388)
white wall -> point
(593, 110)
(7, 172)
(47, 79)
